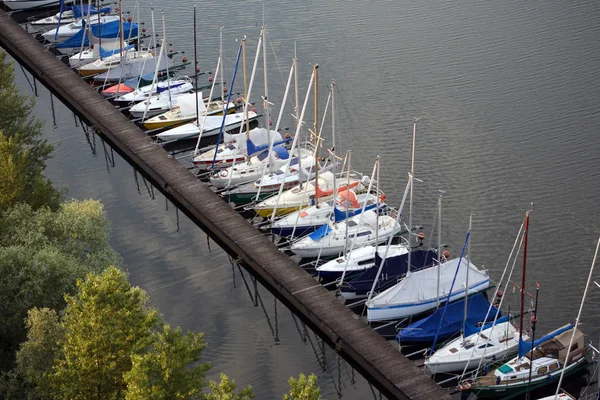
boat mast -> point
(533, 321)
(439, 255)
(316, 133)
(266, 97)
(526, 235)
(195, 71)
(577, 320)
(297, 104)
(246, 83)
(468, 259)
(410, 200)
(332, 151)
(221, 69)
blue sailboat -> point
(392, 271)
(445, 324)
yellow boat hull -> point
(267, 212)
(89, 72)
(167, 123)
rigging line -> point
(279, 67)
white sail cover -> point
(187, 104)
(417, 292)
(259, 136)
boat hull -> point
(511, 390)
(151, 125)
(246, 197)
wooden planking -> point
(388, 370)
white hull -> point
(212, 127)
(335, 241)
(15, 5)
(360, 259)
(494, 345)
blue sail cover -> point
(321, 232)
(253, 149)
(424, 331)
(82, 11)
(393, 268)
(110, 30)
(525, 347)
(281, 152)
(340, 215)
(471, 329)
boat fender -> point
(224, 173)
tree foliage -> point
(42, 254)
(225, 390)
(106, 324)
(22, 147)
(36, 356)
(162, 372)
(303, 388)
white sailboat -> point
(418, 291)
(475, 347)
(64, 32)
(173, 86)
(364, 229)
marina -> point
(163, 166)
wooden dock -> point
(383, 366)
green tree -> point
(12, 164)
(162, 372)
(106, 324)
(225, 390)
(42, 254)
(23, 137)
(303, 388)
(36, 357)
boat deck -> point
(390, 372)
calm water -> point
(508, 96)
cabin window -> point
(242, 172)
(513, 377)
(575, 347)
(542, 370)
(279, 172)
(483, 346)
(352, 223)
(453, 350)
(296, 190)
(365, 233)
(554, 367)
(365, 262)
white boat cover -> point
(418, 291)
(187, 104)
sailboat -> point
(448, 320)
(367, 228)
(542, 362)
(419, 291)
(185, 111)
(538, 364)
(493, 342)
(345, 205)
(68, 16)
(392, 266)
(64, 32)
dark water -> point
(508, 96)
